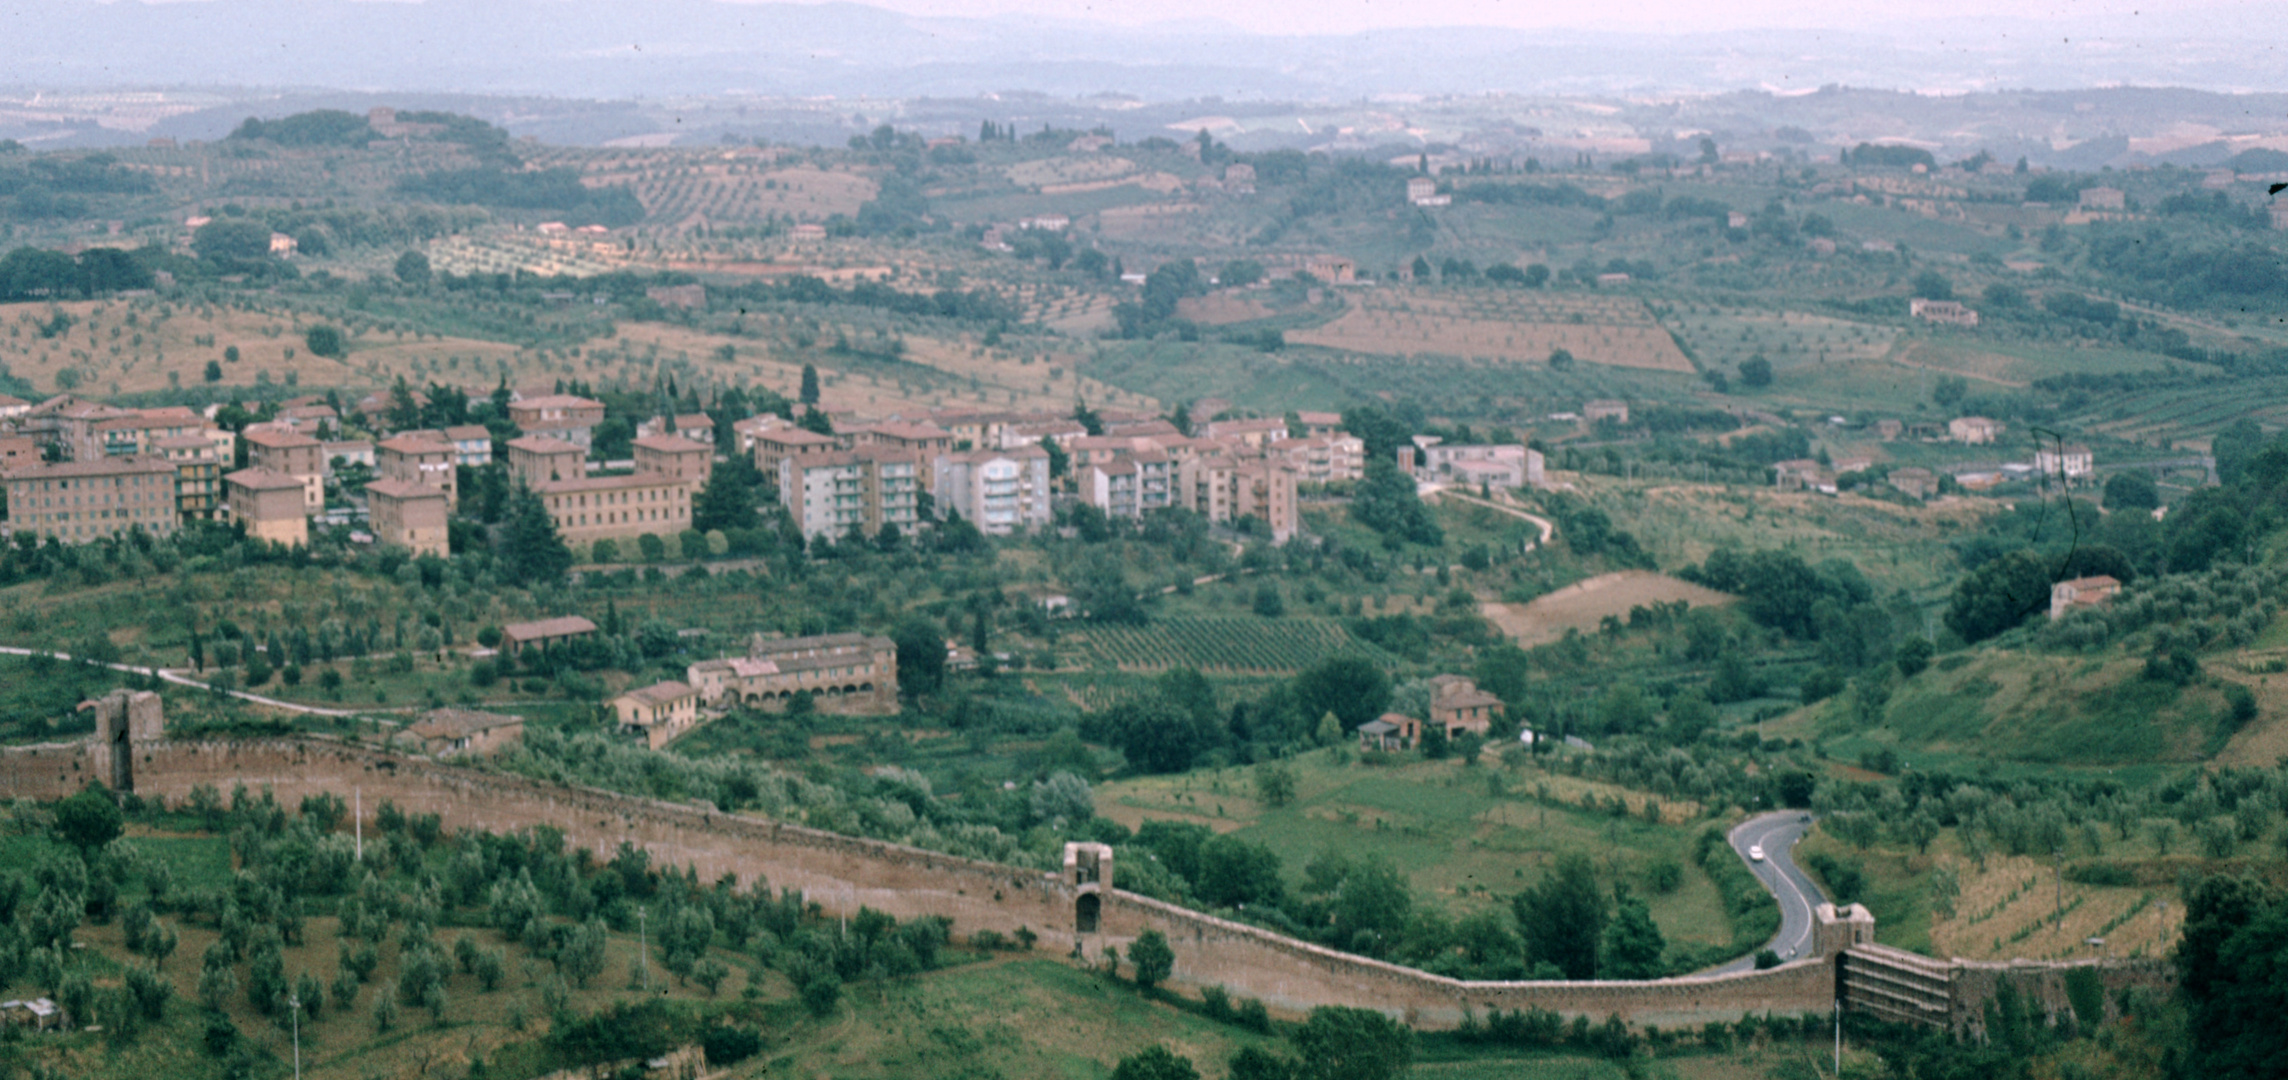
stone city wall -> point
(841, 873)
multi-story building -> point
(1223, 489)
(472, 444)
(858, 669)
(558, 416)
(269, 504)
(409, 514)
(419, 458)
(863, 489)
(17, 451)
(2073, 461)
(1611, 409)
(12, 407)
(79, 501)
(1115, 487)
(999, 491)
(69, 423)
(139, 433)
(1253, 434)
(539, 459)
(676, 456)
(1504, 465)
(776, 445)
(291, 453)
(348, 452)
(198, 475)
(1321, 459)
(697, 427)
(616, 507)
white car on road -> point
(1755, 853)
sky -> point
(2065, 17)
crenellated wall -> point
(842, 873)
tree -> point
(2227, 961)
(809, 384)
(90, 819)
(921, 656)
(1059, 461)
(1268, 602)
(213, 372)
(581, 957)
(1563, 917)
(1371, 907)
(2131, 491)
(1914, 655)
(1386, 502)
(728, 500)
(1274, 783)
(323, 341)
(531, 551)
(1342, 1043)
(1155, 1063)
(1999, 595)
(233, 244)
(1153, 958)
(1353, 689)
(1932, 285)
(413, 268)
(1233, 873)
(1756, 372)
(1632, 945)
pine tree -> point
(809, 384)
(728, 500)
(531, 550)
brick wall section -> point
(2043, 986)
(841, 873)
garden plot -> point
(1584, 604)
(1222, 644)
(2009, 911)
(1513, 327)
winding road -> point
(1777, 834)
(1439, 491)
(183, 680)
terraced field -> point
(1721, 337)
(1504, 326)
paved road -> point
(1777, 833)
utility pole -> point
(294, 1002)
(2058, 874)
(357, 819)
(643, 930)
(1839, 1040)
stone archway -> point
(1087, 911)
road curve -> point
(1777, 834)
(1548, 529)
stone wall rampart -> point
(841, 873)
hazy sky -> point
(2065, 17)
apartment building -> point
(1223, 488)
(676, 456)
(409, 514)
(559, 416)
(78, 501)
(1321, 459)
(775, 446)
(291, 453)
(866, 488)
(198, 475)
(617, 507)
(421, 459)
(268, 504)
(999, 491)
(539, 459)
(139, 433)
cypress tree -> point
(531, 551)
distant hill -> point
(595, 48)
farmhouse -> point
(1917, 482)
(542, 633)
(1947, 312)
(856, 669)
(1605, 409)
(2067, 596)
(445, 733)
(1803, 474)
(1973, 430)
(659, 712)
(1390, 731)
(2104, 198)
(1458, 706)
(2073, 461)
(1423, 191)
